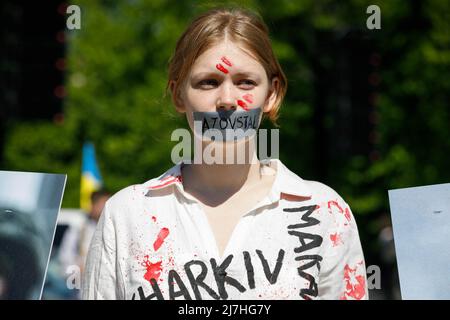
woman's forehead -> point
(234, 56)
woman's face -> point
(225, 77)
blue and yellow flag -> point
(91, 180)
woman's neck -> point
(209, 180)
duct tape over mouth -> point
(227, 125)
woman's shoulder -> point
(124, 199)
(131, 194)
(323, 191)
(312, 188)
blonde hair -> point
(240, 26)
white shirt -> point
(154, 241)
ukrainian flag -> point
(91, 180)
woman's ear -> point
(176, 97)
(272, 95)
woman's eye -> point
(208, 84)
(246, 84)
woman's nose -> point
(226, 99)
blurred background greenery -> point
(366, 110)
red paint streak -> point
(221, 68)
(355, 285)
(168, 180)
(335, 204)
(154, 218)
(347, 214)
(242, 104)
(336, 239)
(226, 61)
(160, 239)
(248, 97)
(153, 269)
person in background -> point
(76, 241)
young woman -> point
(240, 230)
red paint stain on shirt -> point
(248, 97)
(336, 204)
(242, 104)
(153, 270)
(220, 67)
(226, 61)
(154, 218)
(346, 213)
(160, 239)
(167, 181)
(336, 239)
(355, 285)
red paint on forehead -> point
(226, 61)
(242, 104)
(160, 239)
(221, 68)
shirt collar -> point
(170, 177)
(286, 182)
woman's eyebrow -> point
(244, 74)
(202, 75)
(215, 74)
